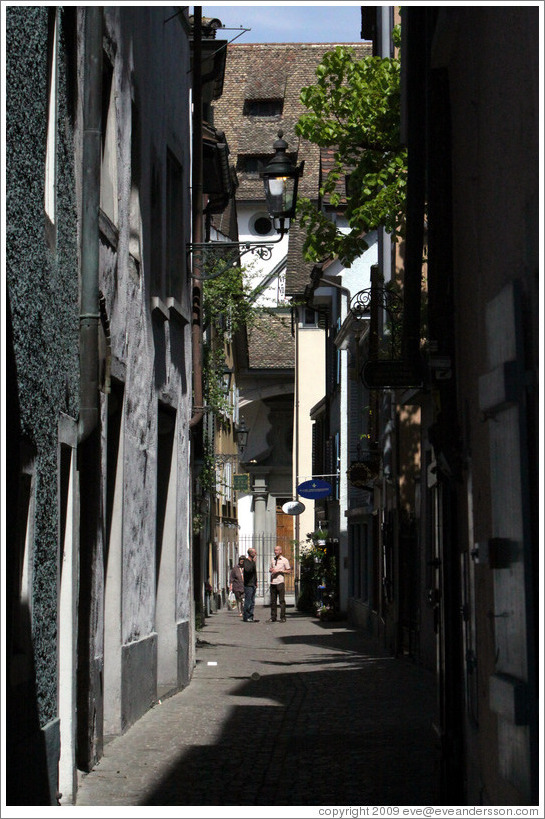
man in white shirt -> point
(279, 567)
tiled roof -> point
(271, 345)
(298, 271)
(327, 156)
(271, 71)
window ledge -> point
(169, 309)
(177, 311)
(159, 308)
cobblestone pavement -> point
(300, 713)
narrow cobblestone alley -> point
(300, 713)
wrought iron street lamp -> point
(241, 435)
(280, 179)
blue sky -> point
(288, 22)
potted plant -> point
(310, 577)
(319, 536)
(325, 612)
(362, 473)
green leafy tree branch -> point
(354, 108)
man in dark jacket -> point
(250, 586)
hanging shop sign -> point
(314, 489)
(293, 508)
(389, 374)
(241, 482)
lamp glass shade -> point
(280, 195)
(276, 186)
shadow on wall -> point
(27, 777)
(26, 759)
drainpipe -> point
(196, 205)
(89, 729)
(89, 297)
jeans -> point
(278, 592)
(249, 602)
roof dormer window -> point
(263, 108)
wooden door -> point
(284, 538)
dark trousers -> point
(278, 592)
(249, 602)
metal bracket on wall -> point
(364, 303)
(218, 257)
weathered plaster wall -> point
(152, 89)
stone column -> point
(261, 495)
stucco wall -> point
(43, 292)
(151, 352)
(310, 389)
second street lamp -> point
(242, 432)
(241, 435)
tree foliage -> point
(354, 108)
(227, 298)
(227, 308)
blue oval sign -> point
(314, 489)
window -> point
(263, 108)
(156, 226)
(359, 558)
(165, 509)
(262, 225)
(254, 163)
(309, 317)
(21, 647)
(50, 187)
(175, 256)
(338, 362)
(167, 252)
(281, 295)
(337, 465)
(135, 212)
(108, 173)
(26, 532)
(219, 469)
(354, 534)
(228, 478)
